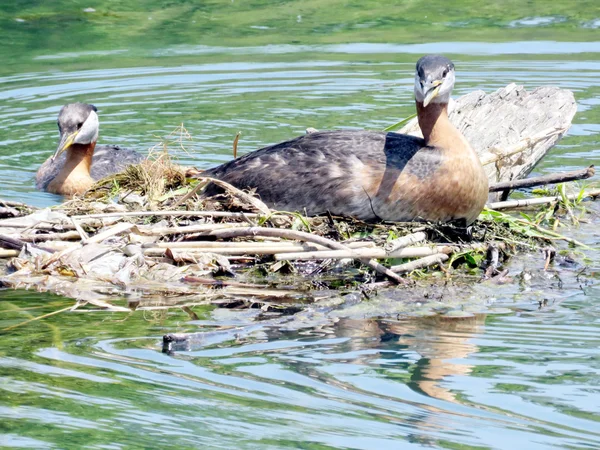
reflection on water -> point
(491, 382)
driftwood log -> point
(511, 129)
(552, 178)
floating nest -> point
(148, 238)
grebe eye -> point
(79, 125)
(445, 73)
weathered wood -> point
(428, 261)
(552, 178)
(375, 253)
(150, 230)
(405, 241)
(174, 213)
(527, 202)
(239, 248)
(11, 243)
(510, 116)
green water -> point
(523, 379)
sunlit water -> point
(524, 379)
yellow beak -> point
(433, 92)
(65, 142)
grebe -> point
(77, 162)
(374, 175)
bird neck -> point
(75, 177)
(79, 159)
(435, 125)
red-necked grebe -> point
(77, 162)
(374, 175)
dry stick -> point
(302, 236)
(65, 236)
(428, 261)
(8, 242)
(522, 145)
(8, 253)
(226, 214)
(54, 246)
(373, 253)
(378, 253)
(112, 231)
(12, 327)
(16, 204)
(581, 174)
(279, 244)
(7, 211)
(42, 225)
(235, 144)
(539, 201)
(238, 248)
(254, 201)
(84, 236)
(161, 231)
(247, 249)
(190, 194)
(405, 241)
(117, 229)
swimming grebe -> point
(77, 162)
(374, 175)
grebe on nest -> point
(77, 162)
(374, 175)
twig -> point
(113, 231)
(254, 201)
(201, 228)
(8, 242)
(232, 215)
(375, 253)
(238, 248)
(235, 144)
(510, 204)
(83, 235)
(17, 204)
(428, 261)
(36, 318)
(545, 179)
(405, 241)
(194, 191)
(300, 236)
(4, 253)
(65, 236)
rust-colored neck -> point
(79, 159)
(75, 177)
(434, 122)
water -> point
(523, 379)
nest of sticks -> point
(150, 234)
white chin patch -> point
(89, 131)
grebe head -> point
(434, 79)
(77, 124)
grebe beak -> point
(431, 91)
(65, 142)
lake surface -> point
(520, 373)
